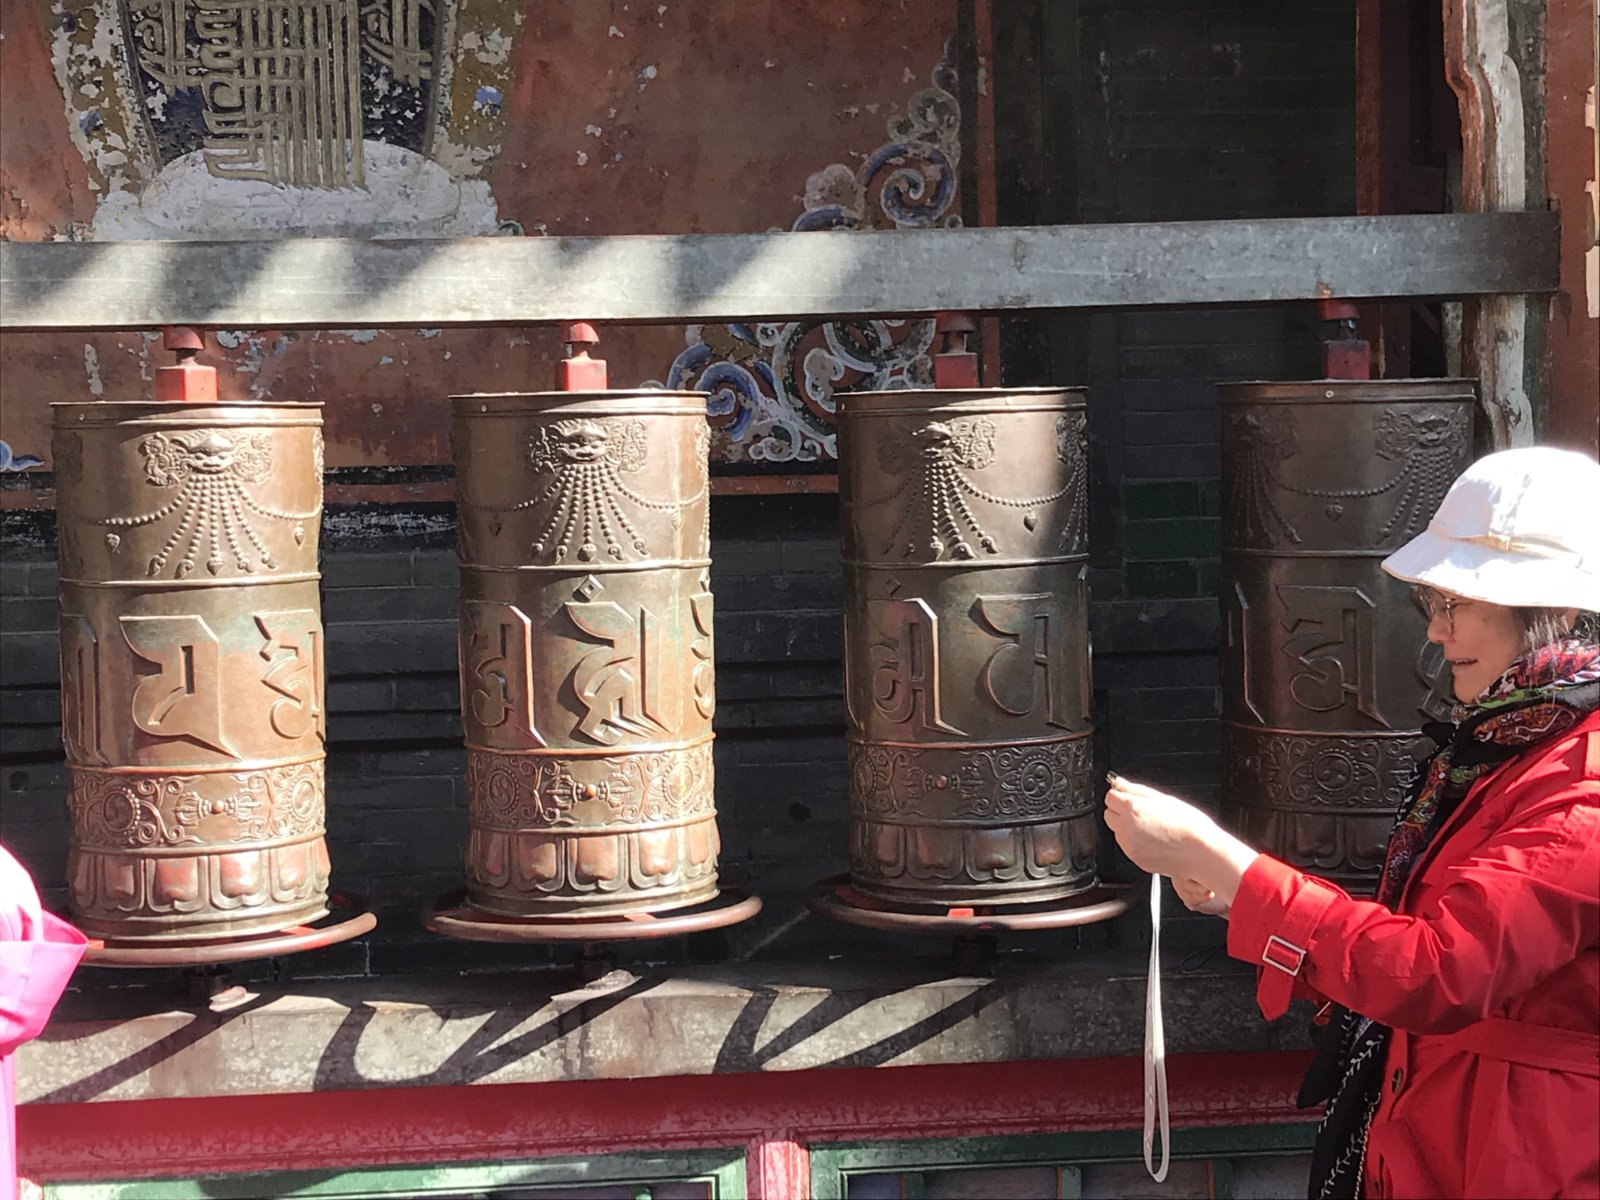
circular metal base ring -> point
(350, 918)
(453, 917)
(836, 899)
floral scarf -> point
(1540, 696)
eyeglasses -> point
(1431, 604)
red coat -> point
(1488, 972)
(38, 954)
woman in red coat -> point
(38, 953)
(1466, 996)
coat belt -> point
(1572, 1050)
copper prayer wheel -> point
(192, 667)
(587, 685)
(966, 645)
(1327, 672)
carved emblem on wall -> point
(937, 495)
(213, 511)
(774, 386)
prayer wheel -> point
(967, 645)
(193, 708)
(1327, 672)
(587, 685)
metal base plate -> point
(453, 917)
(836, 899)
(350, 918)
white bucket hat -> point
(1519, 528)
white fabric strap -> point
(1155, 1049)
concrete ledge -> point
(131, 1044)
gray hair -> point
(1541, 626)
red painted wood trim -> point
(24, 498)
(393, 1126)
(772, 485)
(778, 1168)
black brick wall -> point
(1110, 110)
(1165, 110)
(396, 810)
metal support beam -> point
(338, 283)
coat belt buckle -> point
(1283, 954)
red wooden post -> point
(778, 1168)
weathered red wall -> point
(710, 118)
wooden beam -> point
(341, 283)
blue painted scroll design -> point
(774, 385)
(11, 461)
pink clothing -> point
(38, 953)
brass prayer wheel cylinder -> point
(587, 685)
(967, 645)
(193, 710)
(1327, 671)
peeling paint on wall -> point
(91, 369)
(714, 143)
(468, 127)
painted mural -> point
(252, 118)
(773, 386)
(211, 119)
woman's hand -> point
(1197, 897)
(1166, 836)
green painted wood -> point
(833, 1165)
(1222, 1179)
(722, 1171)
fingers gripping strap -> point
(1155, 1049)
